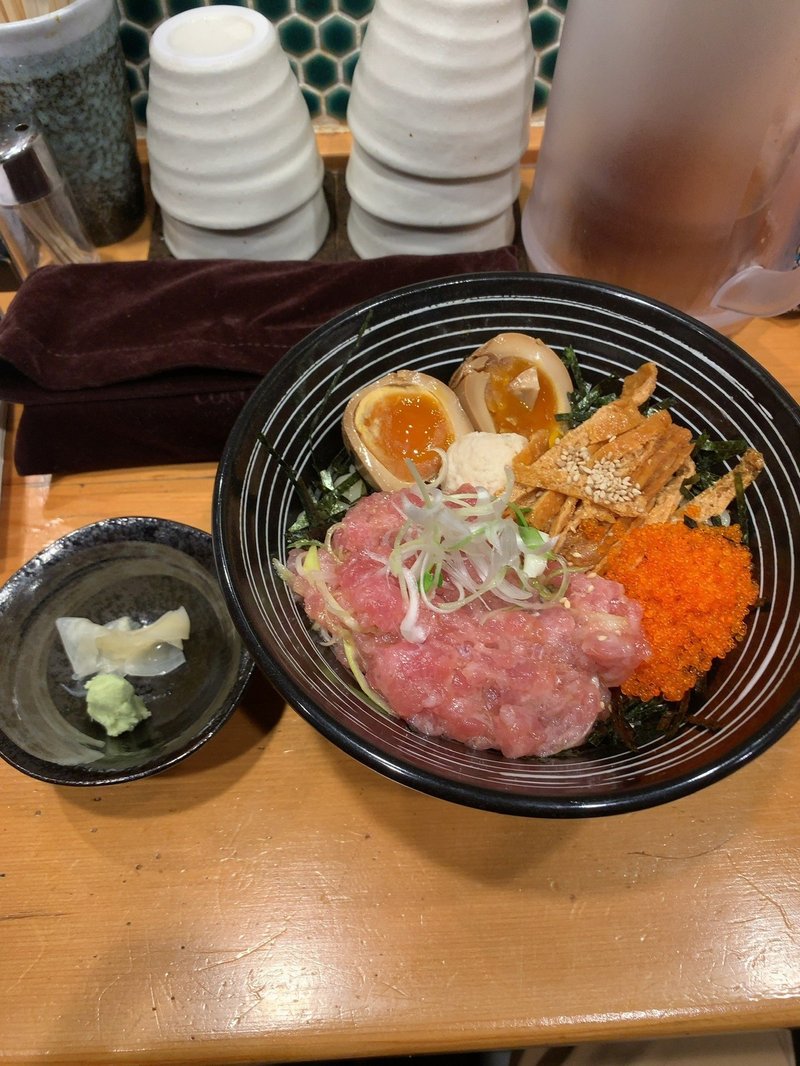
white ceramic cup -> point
(229, 136)
(416, 201)
(371, 236)
(298, 235)
(443, 88)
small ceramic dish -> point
(292, 423)
(140, 567)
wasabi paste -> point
(112, 702)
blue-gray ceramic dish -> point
(752, 697)
(139, 567)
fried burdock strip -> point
(619, 469)
(718, 497)
(638, 387)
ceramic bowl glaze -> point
(139, 567)
(752, 698)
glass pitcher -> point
(670, 162)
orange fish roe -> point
(695, 587)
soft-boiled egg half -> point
(406, 415)
(513, 384)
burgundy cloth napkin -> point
(132, 364)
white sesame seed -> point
(602, 480)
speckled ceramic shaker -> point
(66, 71)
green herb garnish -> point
(432, 580)
(338, 488)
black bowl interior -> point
(291, 426)
(139, 567)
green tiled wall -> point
(322, 39)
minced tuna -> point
(524, 682)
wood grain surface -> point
(272, 900)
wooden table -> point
(271, 899)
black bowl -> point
(122, 566)
(752, 698)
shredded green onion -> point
(309, 567)
(454, 548)
(352, 661)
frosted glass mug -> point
(670, 162)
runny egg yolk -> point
(509, 413)
(401, 424)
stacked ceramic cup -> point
(440, 115)
(234, 163)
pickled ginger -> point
(122, 647)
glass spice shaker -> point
(38, 221)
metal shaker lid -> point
(27, 169)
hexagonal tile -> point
(322, 40)
(297, 36)
(139, 104)
(174, 7)
(541, 93)
(336, 102)
(135, 42)
(144, 12)
(547, 63)
(313, 9)
(274, 10)
(320, 71)
(357, 9)
(338, 35)
(313, 101)
(348, 66)
(133, 78)
(545, 28)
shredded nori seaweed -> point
(336, 486)
(710, 457)
(585, 399)
(337, 489)
(632, 723)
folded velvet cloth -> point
(132, 364)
